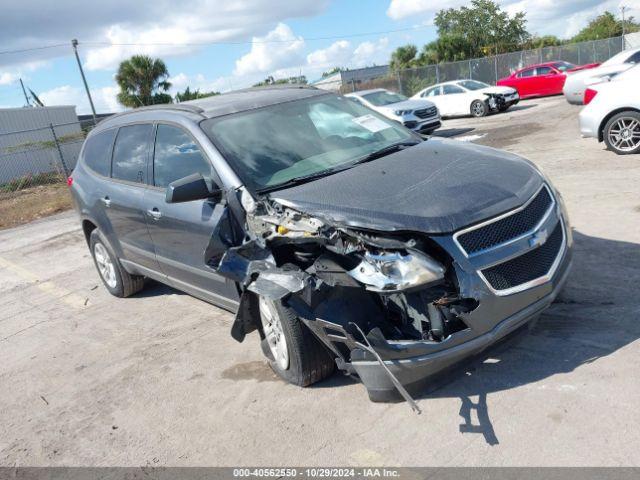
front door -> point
(182, 231)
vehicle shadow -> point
(595, 316)
(451, 132)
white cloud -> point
(337, 54)
(370, 53)
(140, 21)
(400, 9)
(12, 75)
(284, 50)
(201, 83)
(104, 99)
(343, 54)
(7, 78)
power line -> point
(250, 42)
(23, 50)
(204, 44)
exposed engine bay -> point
(356, 290)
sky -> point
(227, 44)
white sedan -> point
(418, 115)
(612, 112)
(469, 97)
(578, 82)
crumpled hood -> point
(438, 186)
(501, 90)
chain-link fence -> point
(39, 156)
(487, 69)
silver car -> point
(417, 115)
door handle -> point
(155, 213)
(106, 200)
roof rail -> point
(162, 106)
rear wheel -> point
(293, 352)
(622, 133)
(115, 278)
(479, 108)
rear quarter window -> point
(97, 152)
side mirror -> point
(190, 188)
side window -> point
(526, 73)
(432, 92)
(130, 153)
(97, 152)
(635, 58)
(451, 89)
(544, 70)
(176, 155)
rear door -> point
(182, 231)
(123, 195)
(525, 82)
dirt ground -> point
(89, 379)
(24, 206)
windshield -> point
(382, 98)
(564, 66)
(270, 146)
(472, 84)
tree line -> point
(484, 29)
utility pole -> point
(623, 8)
(25, 93)
(74, 44)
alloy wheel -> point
(273, 332)
(624, 134)
(105, 265)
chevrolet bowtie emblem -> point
(538, 238)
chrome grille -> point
(508, 227)
(425, 112)
(527, 267)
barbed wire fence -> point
(39, 156)
(487, 69)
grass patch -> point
(29, 181)
(24, 206)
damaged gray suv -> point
(338, 236)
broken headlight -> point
(394, 271)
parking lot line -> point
(60, 293)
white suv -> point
(418, 115)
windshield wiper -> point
(300, 180)
(383, 152)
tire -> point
(308, 360)
(621, 124)
(117, 281)
(479, 108)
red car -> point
(543, 79)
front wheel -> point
(293, 352)
(622, 133)
(116, 279)
(479, 108)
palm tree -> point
(142, 80)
